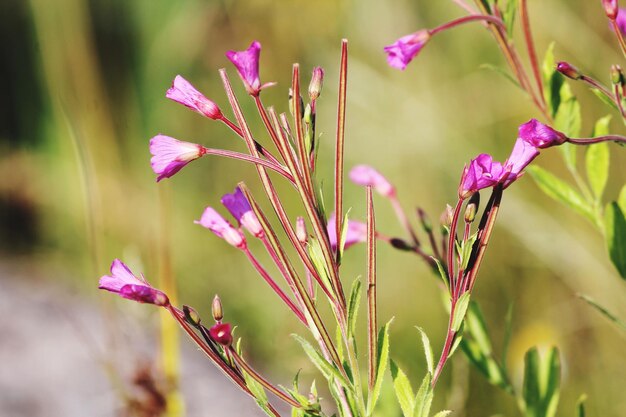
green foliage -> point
(615, 227)
(597, 159)
(329, 371)
(477, 347)
(428, 352)
(553, 80)
(605, 312)
(353, 306)
(542, 378)
(382, 358)
(561, 191)
(402, 387)
(459, 311)
(508, 15)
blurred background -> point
(83, 92)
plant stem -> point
(599, 139)
(371, 288)
(339, 144)
(530, 45)
(247, 158)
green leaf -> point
(353, 306)
(508, 16)
(580, 405)
(487, 5)
(423, 398)
(621, 200)
(597, 159)
(553, 80)
(317, 257)
(344, 235)
(442, 272)
(443, 413)
(615, 227)
(568, 120)
(382, 357)
(502, 72)
(605, 312)
(466, 250)
(258, 392)
(603, 98)
(560, 191)
(541, 383)
(459, 311)
(326, 368)
(428, 351)
(404, 392)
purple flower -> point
(123, 282)
(213, 221)
(539, 135)
(522, 154)
(186, 94)
(482, 172)
(400, 53)
(368, 176)
(221, 333)
(356, 233)
(171, 155)
(237, 204)
(247, 64)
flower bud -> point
(425, 220)
(216, 309)
(221, 333)
(191, 315)
(317, 81)
(610, 8)
(472, 208)
(568, 70)
(301, 232)
(447, 216)
(400, 244)
(617, 76)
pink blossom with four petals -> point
(123, 282)
(482, 172)
(213, 221)
(247, 64)
(365, 175)
(402, 51)
(186, 94)
(237, 204)
(356, 233)
(170, 155)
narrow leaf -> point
(615, 226)
(459, 311)
(404, 392)
(621, 200)
(423, 398)
(560, 191)
(353, 306)
(502, 72)
(381, 366)
(321, 363)
(580, 405)
(606, 313)
(428, 351)
(443, 413)
(508, 16)
(597, 159)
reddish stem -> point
(530, 45)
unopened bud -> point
(447, 216)
(221, 333)
(308, 116)
(301, 232)
(617, 76)
(470, 212)
(425, 220)
(568, 70)
(317, 81)
(400, 244)
(191, 315)
(216, 309)
(610, 8)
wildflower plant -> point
(309, 259)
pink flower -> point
(184, 93)
(123, 282)
(482, 172)
(237, 204)
(247, 64)
(213, 221)
(221, 333)
(367, 176)
(522, 154)
(400, 53)
(539, 135)
(171, 155)
(356, 233)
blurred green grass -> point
(84, 92)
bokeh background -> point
(83, 92)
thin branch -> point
(339, 144)
(371, 288)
